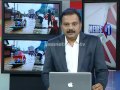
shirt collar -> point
(77, 40)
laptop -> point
(70, 81)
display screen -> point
(23, 55)
(100, 19)
(31, 18)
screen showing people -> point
(24, 55)
(31, 18)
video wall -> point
(32, 24)
(25, 33)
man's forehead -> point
(69, 18)
(70, 15)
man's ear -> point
(61, 29)
(81, 25)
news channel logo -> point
(107, 29)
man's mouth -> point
(70, 31)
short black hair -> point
(70, 11)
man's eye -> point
(74, 24)
(66, 24)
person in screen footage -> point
(49, 17)
(75, 51)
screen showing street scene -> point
(31, 18)
(24, 55)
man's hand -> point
(49, 88)
(97, 86)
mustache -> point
(71, 31)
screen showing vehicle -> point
(23, 55)
(31, 18)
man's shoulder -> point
(56, 39)
(93, 37)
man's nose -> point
(70, 26)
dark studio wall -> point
(26, 82)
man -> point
(49, 17)
(75, 52)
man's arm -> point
(101, 70)
(47, 67)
